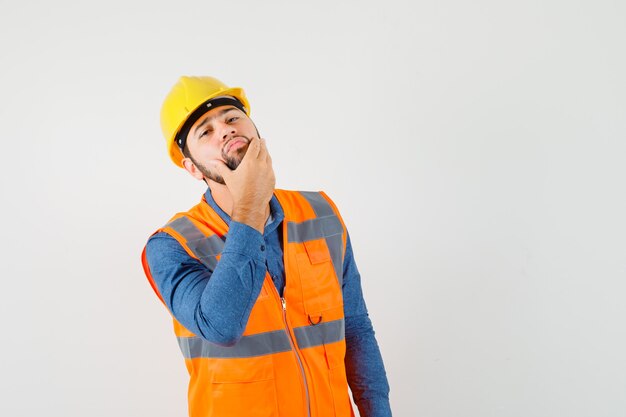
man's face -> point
(222, 133)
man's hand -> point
(251, 184)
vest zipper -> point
(291, 341)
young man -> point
(261, 283)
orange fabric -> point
(275, 384)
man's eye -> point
(204, 133)
(232, 119)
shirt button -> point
(262, 247)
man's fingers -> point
(221, 168)
(257, 145)
(262, 149)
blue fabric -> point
(216, 305)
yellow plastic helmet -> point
(186, 102)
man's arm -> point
(364, 364)
(215, 305)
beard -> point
(232, 160)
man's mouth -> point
(235, 143)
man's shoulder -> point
(305, 193)
(201, 215)
(161, 236)
(161, 246)
(317, 201)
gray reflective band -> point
(204, 248)
(186, 228)
(320, 334)
(314, 229)
(335, 246)
(318, 202)
(330, 226)
(248, 346)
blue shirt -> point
(216, 305)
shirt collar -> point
(276, 211)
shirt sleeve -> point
(215, 304)
(364, 364)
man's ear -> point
(192, 168)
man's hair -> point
(186, 152)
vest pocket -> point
(317, 251)
(256, 368)
(320, 288)
(244, 387)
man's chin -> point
(234, 157)
(234, 162)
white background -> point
(475, 149)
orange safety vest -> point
(290, 360)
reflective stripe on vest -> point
(264, 343)
(248, 346)
(204, 248)
(320, 334)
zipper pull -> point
(284, 303)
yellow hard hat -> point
(189, 99)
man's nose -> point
(226, 130)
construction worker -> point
(261, 283)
